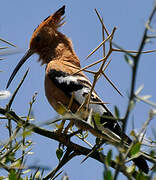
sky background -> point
(18, 19)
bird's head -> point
(46, 35)
(44, 40)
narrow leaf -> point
(59, 153)
(139, 89)
(129, 61)
(109, 157)
(116, 111)
(135, 149)
(108, 175)
(97, 119)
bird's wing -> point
(80, 86)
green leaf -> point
(141, 176)
(59, 153)
(138, 91)
(152, 153)
(26, 171)
(108, 175)
(12, 175)
(131, 169)
(2, 177)
(129, 61)
(132, 104)
(116, 111)
(135, 149)
(37, 175)
(10, 157)
(27, 133)
(109, 157)
(133, 133)
(97, 119)
(16, 164)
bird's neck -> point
(66, 53)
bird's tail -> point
(142, 164)
(112, 125)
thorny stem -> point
(10, 130)
(27, 120)
(136, 59)
(103, 37)
(102, 23)
(110, 37)
(100, 71)
(135, 67)
(64, 140)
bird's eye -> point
(37, 38)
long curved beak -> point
(22, 61)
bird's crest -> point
(54, 21)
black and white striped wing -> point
(81, 87)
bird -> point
(62, 78)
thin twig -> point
(15, 92)
(64, 140)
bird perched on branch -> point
(62, 78)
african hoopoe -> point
(61, 80)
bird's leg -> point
(71, 122)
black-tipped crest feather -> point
(61, 11)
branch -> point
(64, 139)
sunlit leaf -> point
(10, 157)
(135, 149)
(26, 171)
(97, 119)
(2, 177)
(16, 164)
(30, 153)
(116, 111)
(61, 110)
(100, 149)
(4, 94)
(132, 104)
(137, 92)
(128, 60)
(131, 169)
(12, 175)
(109, 157)
(108, 175)
(133, 133)
(26, 133)
(145, 97)
(37, 175)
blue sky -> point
(20, 18)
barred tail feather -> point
(140, 162)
